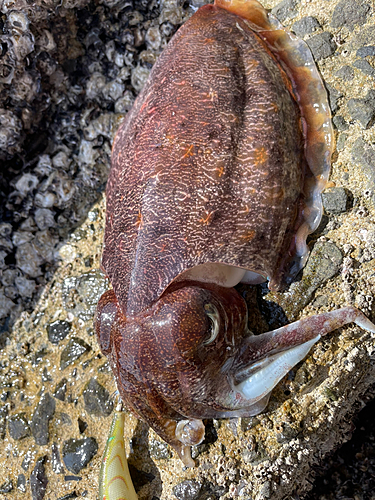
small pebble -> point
(58, 330)
(38, 480)
(75, 348)
(366, 51)
(96, 399)
(77, 453)
(363, 110)
(350, 13)
(345, 73)
(340, 123)
(365, 67)
(322, 45)
(41, 418)
(18, 426)
(7, 486)
(335, 200)
(60, 390)
(21, 483)
(187, 490)
(285, 9)
(305, 26)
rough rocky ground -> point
(69, 71)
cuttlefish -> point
(216, 179)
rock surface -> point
(68, 75)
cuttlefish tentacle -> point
(267, 358)
(115, 482)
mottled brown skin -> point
(208, 166)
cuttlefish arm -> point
(265, 359)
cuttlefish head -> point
(191, 357)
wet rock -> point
(324, 263)
(305, 26)
(366, 51)
(6, 305)
(349, 13)
(58, 330)
(333, 96)
(38, 480)
(345, 73)
(159, 450)
(322, 45)
(285, 9)
(7, 486)
(21, 483)
(25, 287)
(363, 110)
(81, 294)
(29, 260)
(365, 67)
(77, 453)
(10, 131)
(96, 399)
(18, 426)
(75, 348)
(139, 77)
(335, 200)
(28, 182)
(40, 421)
(340, 123)
(187, 490)
(60, 390)
(44, 218)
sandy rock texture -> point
(69, 72)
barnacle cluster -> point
(69, 72)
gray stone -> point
(38, 480)
(159, 449)
(18, 426)
(60, 390)
(335, 200)
(285, 9)
(41, 418)
(366, 51)
(81, 294)
(77, 453)
(350, 13)
(21, 483)
(96, 399)
(305, 26)
(365, 67)
(322, 45)
(333, 96)
(363, 110)
(345, 73)
(340, 123)
(187, 490)
(75, 348)
(58, 330)
(6, 487)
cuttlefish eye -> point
(214, 319)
